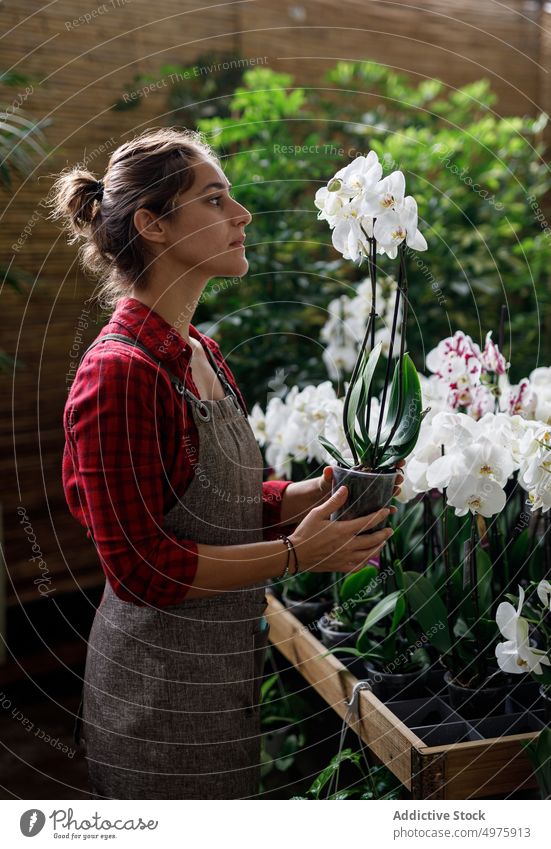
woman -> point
(162, 467)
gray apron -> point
(170, 706)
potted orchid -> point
(341, 625)
(390, 650)
(369, 216)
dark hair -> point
(149, 171)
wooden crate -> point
(477, 769)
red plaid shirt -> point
(123, 466)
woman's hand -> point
(343, 546)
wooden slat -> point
(485, 768)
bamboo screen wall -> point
(82, 71)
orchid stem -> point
(402, 289)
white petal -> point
(544, 593)
(417, 242)
(506, 620)
(507, 658)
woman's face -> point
(206, 222)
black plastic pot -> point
(396, 685)
(367, 493)
(355, 664)
(435, 678)
(480, 702)
(308, 611)
(332, 637)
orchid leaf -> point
(382, 609)
(410, 422)
(399, 612)
(429, 610)
(359, 392)
(356, 583)
(335, 453)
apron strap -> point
(202, 409)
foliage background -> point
(485, 245)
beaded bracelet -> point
(290, 547)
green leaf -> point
(392, 409)
(399, 612)
(519, 549)
(407, 523)
(334, 765)
(539, 752)
(335, 453)
(429, 610)
(410, 422)
(382, 609)
(399, 575)
(267, 685)
(355, 584)
(360, 388)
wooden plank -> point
(492, 767)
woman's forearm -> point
(228, 567)
(298, 499)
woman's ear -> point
(149, 225)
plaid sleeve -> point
(116, 428)
(272, 493)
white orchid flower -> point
(348, 237)
(407, 490)
(329, 205)
(257, 420)
(339, 360)
(515, 655)
(387, 195)
(442, 472)
(535, 466)
(485, 459)
(393, 227)
(467, 493)
(361, 176)
(454, 429)
(544, 593)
